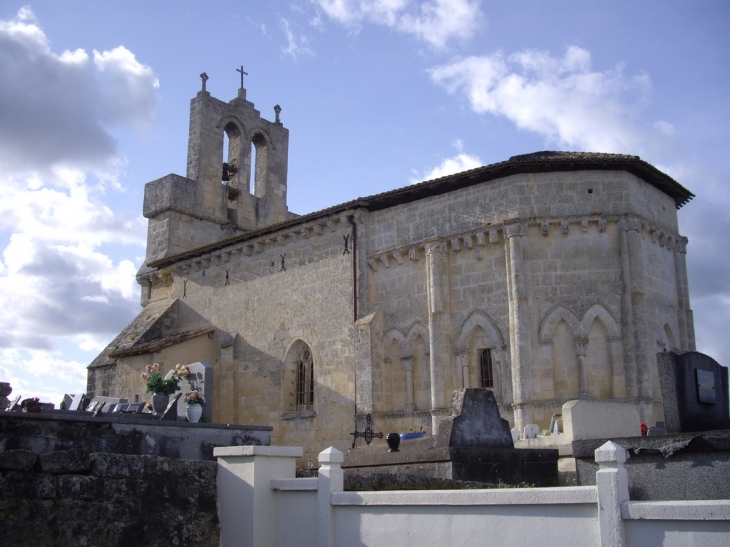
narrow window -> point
(485, 369)
(253, 169)
(305, 380)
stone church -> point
(548, 277)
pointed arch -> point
(395, 334)
(478, 318)
(417, 329)
(605, 316)
(559, 312)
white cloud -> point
(449, 166)
(435, 22)
(297, 43)
(59, 286)
(561, 98)
(56, 107)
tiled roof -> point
(536, 162)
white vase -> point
(193, 412)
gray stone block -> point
(74, 460)
(17, 460)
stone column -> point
(438, 316)
(408, 366)
(684, 313)
(519, 318)
(581, 346)
(627, 330)
(643, 348)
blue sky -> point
(376, 94)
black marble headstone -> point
(694, 392)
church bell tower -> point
(225, 192)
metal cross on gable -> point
(368, 434)
(242, 73)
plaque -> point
(705, 386)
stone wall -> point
(71, 497)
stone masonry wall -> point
(72, 497)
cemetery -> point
(126, 478)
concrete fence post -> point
(331, 479)
(246, 503)
(612, 483)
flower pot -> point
(194, 412)
(159, 403)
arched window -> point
(304, 379)
(486, 374)
(259, 168)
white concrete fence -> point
(262, 504)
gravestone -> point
(67, 400)
(201, 379)
(694, 392)
(530, 431)
(78, 402)
(516, 434)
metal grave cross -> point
(368, 434)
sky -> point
(376, 94)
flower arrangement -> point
(156, 384)
(194, 398)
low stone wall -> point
(71, 497)
(122, 434)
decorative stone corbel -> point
(584, 225)
(413, 254)
(317, 230)
(545, 227)
(468, 242)
(654, 233)
(373, 264)
(456, 244)
(384, 260)
(602, 225)
(565, 227)
(397, 256)
(493, 236)
(481, 238)
(258, 247)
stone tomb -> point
(473, 444)
(694, 392)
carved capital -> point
(581, 346)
